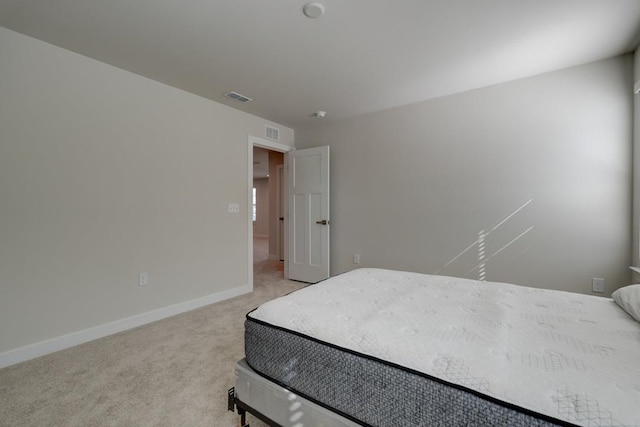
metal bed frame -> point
(276, 405)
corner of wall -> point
(635, 239)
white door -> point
(308, 220)
(280, 201)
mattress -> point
(382, 347)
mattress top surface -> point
(569, 356)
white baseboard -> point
(52, 345)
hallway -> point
(266, 271)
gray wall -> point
(414, 186)
(105, 174)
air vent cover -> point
(237, 96)
(272, 133)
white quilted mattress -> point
(573, 357)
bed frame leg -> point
(231, 406)
(231, 399)
(243, 418)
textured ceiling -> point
(360, 56)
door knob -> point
(323, 222)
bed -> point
(387, 348)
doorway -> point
(266, 230)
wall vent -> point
(237, 96)
(272, 133)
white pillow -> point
(629, 299)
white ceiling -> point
(361, 56)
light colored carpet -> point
(174, 372)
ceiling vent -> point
(237, 96)
(272, 133)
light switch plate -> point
(234, 208)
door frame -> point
(254, 141)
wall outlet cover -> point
(143, 279)
(597, 285)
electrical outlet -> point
(597, 285)
(143, 279)
(356, 258)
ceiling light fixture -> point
(313, 10)
(320, 114)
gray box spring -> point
(370, 391)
